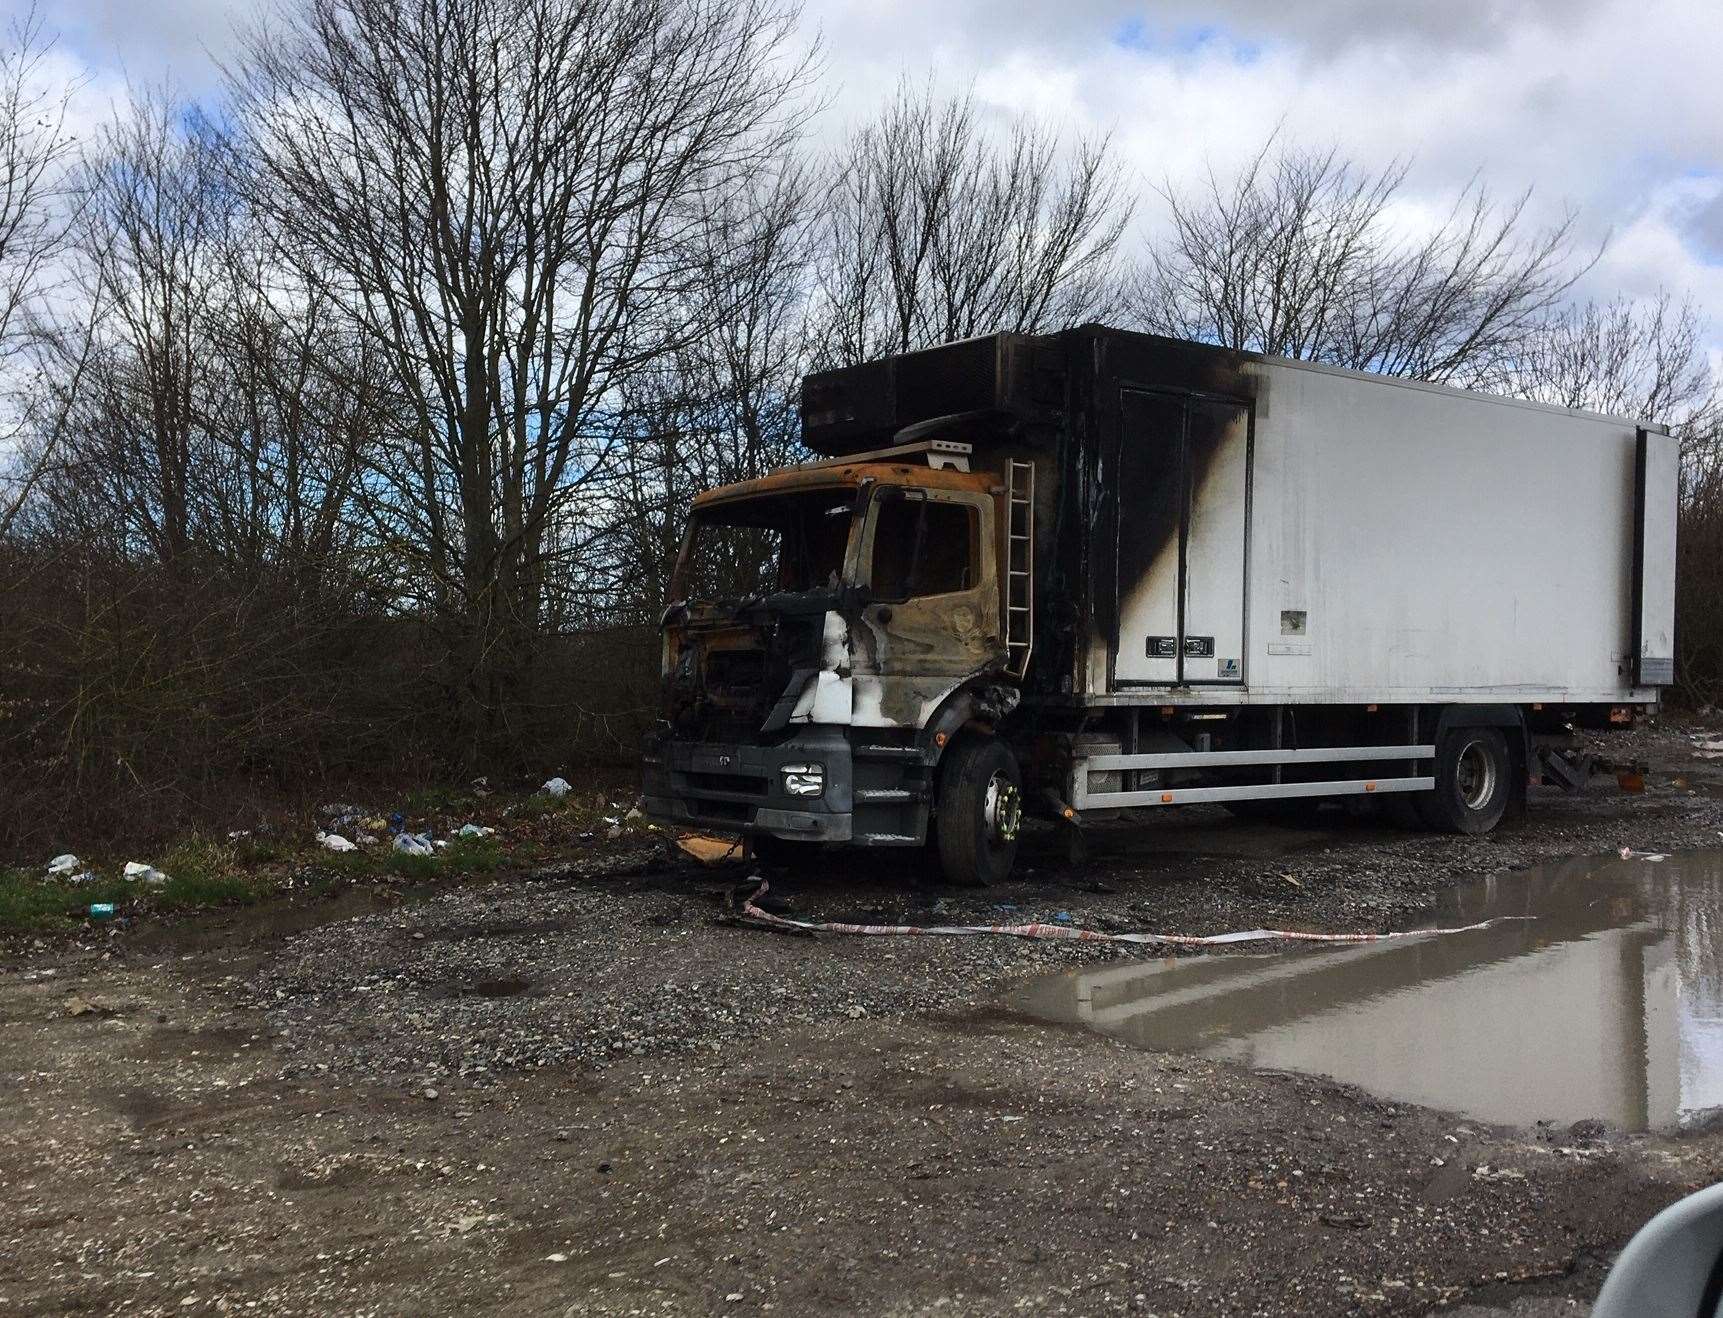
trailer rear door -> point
(1183, 479)
(1657, 476)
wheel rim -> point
(1003, 809)
(1476, 775)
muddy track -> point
(640, 1109)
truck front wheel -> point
(980, 810)
(1474, 780)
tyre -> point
(980, 810)
(1474, 782)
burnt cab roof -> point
(846, 475)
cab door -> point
(932, 617)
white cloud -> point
(1609, 106)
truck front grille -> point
(739, 783)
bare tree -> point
(502, 194)
(1626, 358)
(36, 150)
(216, 406)
(936, 231)
(1300, 256)
(149, 244)
(724, 407)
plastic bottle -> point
(101, 910)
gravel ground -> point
(560, 970)
(580, 1091)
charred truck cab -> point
(1068, 574)
(836, 625)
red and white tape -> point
(1071, 934)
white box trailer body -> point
(1356, 539)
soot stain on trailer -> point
(1180, 374)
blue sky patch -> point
(1135, 33)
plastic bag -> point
(557, 787)
(414, 844)
(334, 842)
(138, 872)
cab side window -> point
(922, 547)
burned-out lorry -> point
(1093, 570)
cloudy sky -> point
(1611, 107)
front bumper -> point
(740, 789)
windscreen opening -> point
(782, 542)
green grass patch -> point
(251, 851)
(29, 901)
(474, 855)
(542, 805)
(204, 872)
(417, 868)
(435, 800)
(463, 855)
(185, 892)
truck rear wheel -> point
(1474, 777)
(980, 810)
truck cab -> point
(834, 627)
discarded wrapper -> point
(711, 850)
(1628, 853)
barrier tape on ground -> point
(1069, 933)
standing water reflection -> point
(1607, 1003)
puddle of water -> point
(1607, 1003)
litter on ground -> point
(62, 865)
(414, 844)
(334, 842)
(476, 830)
(710, 850)
(557, 787)
(138, 872)
(1628, 853)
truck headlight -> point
(804, 779)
